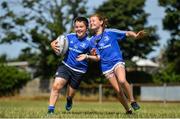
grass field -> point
(26, 108)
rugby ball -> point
(63, 45)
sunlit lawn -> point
(26, 108)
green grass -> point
(26, 108)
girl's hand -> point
(93, 51)
(140, 34)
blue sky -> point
(157, 13)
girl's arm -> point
(134, 35)
(87, 57)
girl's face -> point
(80, 29)
(95, 23)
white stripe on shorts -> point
(119, 63)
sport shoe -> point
(51, 110)
(129, 111)
(50, 113)
(135, 106)
(69, 103)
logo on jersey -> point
(83, 45)
(75, 49)
(75, 46)
(106, 38)
(71, 41)
(104, 46)
(101, 44)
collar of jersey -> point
(82, 38)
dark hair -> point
(82, 19)
(101, 18)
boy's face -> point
(80, 29)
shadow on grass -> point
(94, 113)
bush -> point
(168, 74)
(11, 80)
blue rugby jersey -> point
(76, 47)
(109, 49)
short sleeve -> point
(117, 34)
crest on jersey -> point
(101, 44)
(106, 38)
(83, 45)
(75, 46)
(71, 41)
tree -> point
(129, 15)
(37, 23)
(11, 80)
(171, 21)
(170, 72)
(172, 9)
(3, 58)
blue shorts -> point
(74, 78)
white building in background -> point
(22, 65)
(146, 65)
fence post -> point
(165, 86)
(100, 93)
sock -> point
(69, 98)
(51, 108)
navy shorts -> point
(74, 78)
